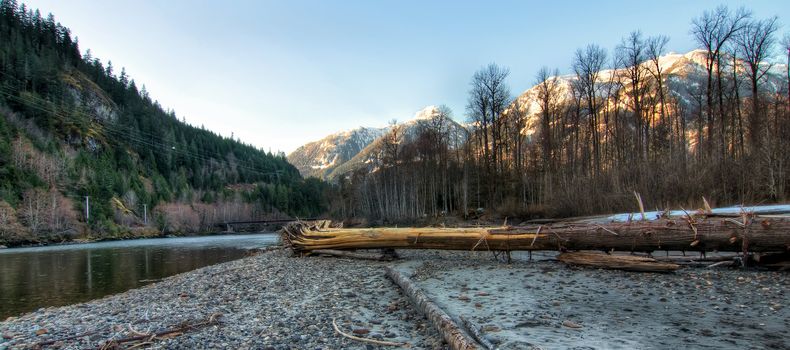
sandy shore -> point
(546, 305)
(273, 301)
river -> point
(31, 278)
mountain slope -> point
(72, 127)
(320, 158)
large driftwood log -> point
(756, 234)
(452, 334)
(616, 262)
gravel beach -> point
(267, 301)
(274, 301)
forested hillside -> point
(85, 151)
(714, 122)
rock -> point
(490, 328)
(529, 323)
(492, 339)
(360, 331)
(463, 297)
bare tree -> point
(631, 53)
(488, 98)
(712, 31)
(656, 45)
(548, 89)
(587, 65)
(786, 47)
(755, 42)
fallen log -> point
(754, 234)
(354, 255)
(452, 334)
(616, 262)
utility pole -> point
(87, 208)
(145, 214)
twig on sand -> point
(366, 340)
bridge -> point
(228, 225)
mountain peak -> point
(426, 113)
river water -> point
(31, 278)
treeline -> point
(73, 127)
(584, 144)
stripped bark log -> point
(452, 334)
(712, 234)
(616, 262)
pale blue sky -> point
(280, 74)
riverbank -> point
(274, 301)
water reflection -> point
(51, 276)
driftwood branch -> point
(456, 338)
(149, 337)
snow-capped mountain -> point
(320, 158)
(347, 151)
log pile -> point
(705, 234)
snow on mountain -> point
(319, 158)
(347, 151)
(408, 132)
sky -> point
(278, 74)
